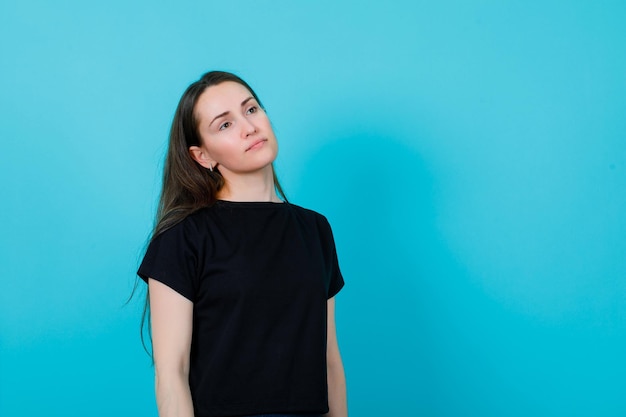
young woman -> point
(241, 282)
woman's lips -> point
(257, 144)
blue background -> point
(471, 157)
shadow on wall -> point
(419, 333)
(378, 194)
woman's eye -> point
(252, 109)
(224, 125)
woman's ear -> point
(200, 156)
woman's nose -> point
(247, 128)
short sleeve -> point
(336, 282)
(172, 258)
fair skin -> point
(237, 137)
(171, 322)
(337, 402)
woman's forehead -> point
(226, 93)
(217, 99)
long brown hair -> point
(188, 186)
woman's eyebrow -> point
(243, 103)
(218, 116)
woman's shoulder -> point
(184, 223)
(311, 215)
(304, 210)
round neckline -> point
(251, 203)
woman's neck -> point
(258, 186)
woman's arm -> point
(337, 401)
(171, 319)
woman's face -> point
(236, 133)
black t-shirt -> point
(259, 275)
